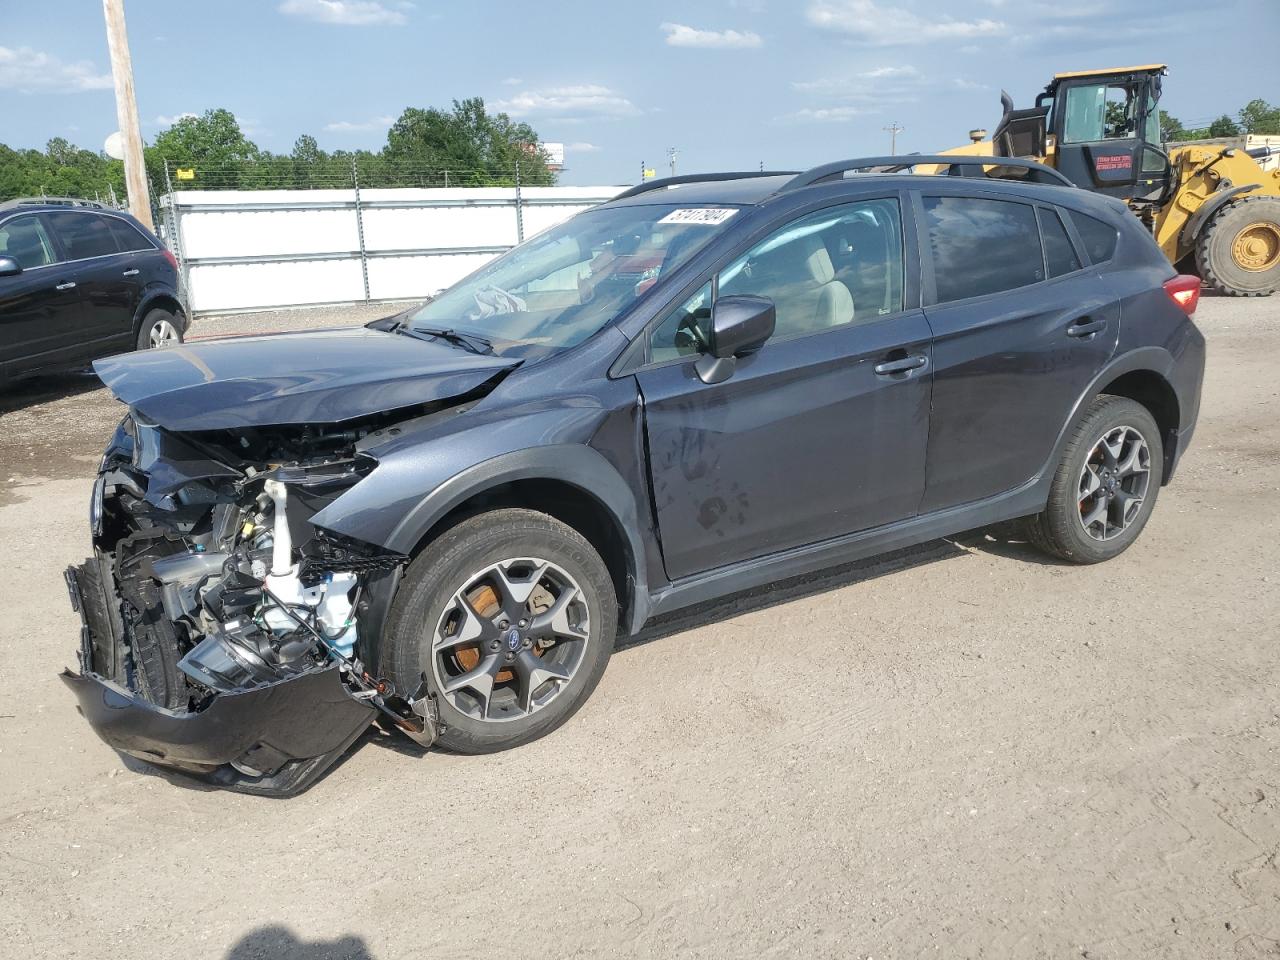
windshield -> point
(563, 285)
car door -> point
(101, 272)
(821, 432)
(39, 307)
(1020, 330)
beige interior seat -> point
(801, 280)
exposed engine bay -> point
(210, 583)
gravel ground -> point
(967, 751)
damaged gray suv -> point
(445, 519)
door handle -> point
(70, 284)
(130, 273)
(1085, 327)
(902, 365)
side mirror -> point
(9, 267)
(739, 327)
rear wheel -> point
(160, 328)
(1106, 484)
(509, 619)
(1238, 252)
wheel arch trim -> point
(152, 298)
(1153, 360)
(575, 465)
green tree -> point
(475, 146)
(213, 145)
(1171, 127)
(1224, 126)
(1258, 116)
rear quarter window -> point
(1059, 253)
(1099, 238)
(982, 246)
(127, 236)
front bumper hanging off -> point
(274, 740)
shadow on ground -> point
(279, 943)
(28, 393)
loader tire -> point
(1238, 252)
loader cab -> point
(1105, 126)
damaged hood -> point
(322, 376)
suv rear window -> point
(982, 246)
(83, 235)
(1099, 238)
(127, 236)
(1059, 254)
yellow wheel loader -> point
(1211, 205)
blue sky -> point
(731, 83)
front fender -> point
(417, 484)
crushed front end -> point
(221, 631)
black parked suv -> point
(707, 384)
(79, 280)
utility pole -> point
(135, 174)
(893, 130)
(672, 153)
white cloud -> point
(581, 147)
(168, 121)
(359, 126)
(348, 13)
(879, 85)
(567, 102)
(679, 35)
(512, 82)
(963, 84)
(864, 22)
(32, 71)
(826, 114)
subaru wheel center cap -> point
(512, 637)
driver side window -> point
(838, 266)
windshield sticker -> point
(707, 216)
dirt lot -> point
(965, 752)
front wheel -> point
(160, 328)
(1106, 484)
(509, 619)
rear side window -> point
(1099, 238)
(982, 246)
(1059, 255)
(127, 236)
(23, 239)
(83, 235)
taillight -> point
(1184, 290)
(173, 261)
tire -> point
(1248, 228)
(1064, 529)
(159, 328)
(524, 701)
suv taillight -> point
(173, 261)
(1184, 290)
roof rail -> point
(963, 165)
(700, 178)
(55, 201)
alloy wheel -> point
(163, 334)
(510, 640)
(1113, 483)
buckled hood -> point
(322, 376)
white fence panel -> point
(254, 249)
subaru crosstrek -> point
(446, 518)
